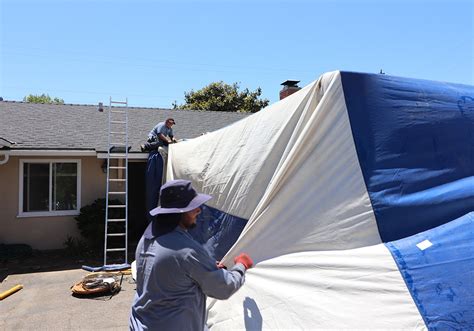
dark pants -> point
(153, 146)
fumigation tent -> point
(355, 198)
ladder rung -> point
(117, 192)
(117, 206)
(119, 102)
(116, 249)
(117, 144)
(116, 180)
(115, 132)
(116, 234)
(114, 167)
(118, 111)
(116, 220)
(117, 157)
(118, 122)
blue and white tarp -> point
(354, 196)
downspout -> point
(6, 157)
(6, 154)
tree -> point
(219, 96)
(43, 98)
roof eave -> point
(49, 152)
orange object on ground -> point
(97, 283)
(10, 291)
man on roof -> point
(160, 136)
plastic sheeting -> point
(154, 177)
(438, 267)
(321, 179)
(415, 145)
(217, 231)
(345, 289)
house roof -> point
(83, 127)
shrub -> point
(77, 247)
(91, 222)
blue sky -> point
(153, 51)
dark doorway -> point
(137, 220)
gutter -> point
(66, 153)
(45, 153)
(50, 152)
(131, 156)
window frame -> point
(51, 212)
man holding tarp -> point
(174, 272)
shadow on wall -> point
(253, 318)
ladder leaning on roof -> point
(116, 208)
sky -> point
(151, 52)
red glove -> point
(244, 259)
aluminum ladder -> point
(116, 208)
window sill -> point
(49, 213)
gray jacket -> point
(174, 276)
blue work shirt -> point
(160, 128)
(174, 275)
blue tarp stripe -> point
(217, 230)
(440, 278)
(415, 144)
(154, 177)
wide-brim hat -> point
(178, 196)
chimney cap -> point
(290, 83)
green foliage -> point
(77, 247)
(219, 96)
(91, 222)
(43, 98)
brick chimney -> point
(289, 87)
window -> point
(49, 187)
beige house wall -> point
(43, 232)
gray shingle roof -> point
(82, 127)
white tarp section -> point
(228, 163)
(299, 150)
(320, 261)
(321, 290)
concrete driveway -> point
(46, 303)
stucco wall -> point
(43, 232)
